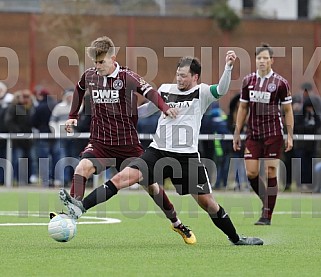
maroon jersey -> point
(114, 104)
(265, 97)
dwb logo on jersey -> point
(105, 96)
(260, 96)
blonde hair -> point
(100, 47)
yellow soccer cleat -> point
(187, 234)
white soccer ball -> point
(62, 228)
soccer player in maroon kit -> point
(262, 93)
(113, 137)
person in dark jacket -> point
(18, 120)
(307, 122)
(47, 150)
(5, 100)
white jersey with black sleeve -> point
(181, 134)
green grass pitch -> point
(143, 244)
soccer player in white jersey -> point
(173, 153)
(263, 92)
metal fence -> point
(10, 137)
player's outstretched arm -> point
(224, 83)
(230, 57)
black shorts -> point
(186, 171)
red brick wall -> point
(158, 34)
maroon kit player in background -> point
(262, 93)
(113, 136)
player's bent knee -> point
(126, 178)
(207, 203)
(85, 168)
(272, 172)
(251, 174)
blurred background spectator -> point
(206, 147)
(308, 122)
(48, 152)
(309, 94)
(215, 122)
(67, 156)
(5, 100)
(83, 125)
(236, 164)
(288, 157)
(147, 125)
(18, 120)
(307, 111)
(229, 165)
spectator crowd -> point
(50, 162)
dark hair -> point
(264, 47)
(193, 63)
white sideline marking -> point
(107, 220)
(100, 220)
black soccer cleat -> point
(249, 241)
(263, 221)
